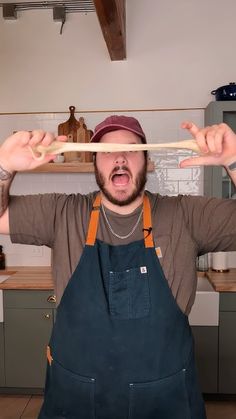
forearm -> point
(6, 179)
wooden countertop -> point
(30, 277)
(223, 282)
(40, 278)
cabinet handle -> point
(51, 299)
(47, 316)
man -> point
(125, 277)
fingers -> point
(22, 136)
(62, 138)
(210, 139)
(41, 137)
(198, 134)
(191, 127)
(217, 143)
(190, 162)
(45, 139)
(199, 161)
(214, 139)
(35, 137)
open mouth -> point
(120, 178)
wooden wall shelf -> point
(73, 168)
(64, 168)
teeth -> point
(120, 172)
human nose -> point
(120, 158)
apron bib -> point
(121, 348)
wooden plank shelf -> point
(73, 167)
(64, 168)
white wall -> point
(177, 52)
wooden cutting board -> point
(76, 132)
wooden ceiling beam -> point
(112, 18)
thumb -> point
(196, 161)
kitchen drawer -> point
(27, 299)
(227, 301)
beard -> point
(139, 185)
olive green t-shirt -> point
(183, 227)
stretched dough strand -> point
(58, 147)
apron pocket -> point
(165, 399)
(129, 293)
(68, 395)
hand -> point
(217, 144)
(15, 154)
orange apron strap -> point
(147, 223)
(93, 223)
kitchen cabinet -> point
(2, 367)
(28, 321)
(227, 343)
(216, 180)
(206, 355)
(215, 349)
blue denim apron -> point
(121, 348)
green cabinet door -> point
(227, 344)
(227, 353)
(28, 320)
(206, 355)
(2, 368)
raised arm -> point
(15, 155)
(218, 146)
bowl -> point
(59, 158)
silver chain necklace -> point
(113, 232)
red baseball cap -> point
(116, 122)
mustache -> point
(121, 167)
